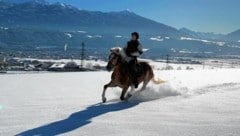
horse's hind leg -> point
(145, 83)
(147, 79)
(129, 94)
(124, 90)
(133, 92)
(110, 84)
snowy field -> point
(190, 103)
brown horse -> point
(120, 76)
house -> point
(57, 67)
(71, 66)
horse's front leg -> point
(124, 90)
(110, 84)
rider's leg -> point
(133, 72)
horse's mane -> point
(120, 51)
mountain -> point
(24, 1)
(234, 36)
(201, 35)
(63, 17)
(36, 26)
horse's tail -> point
(157, 80)
(150, 73)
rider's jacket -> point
(133, 48)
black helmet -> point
(136, 34)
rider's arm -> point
(140, 49)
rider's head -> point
(135, 36)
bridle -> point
(112, 56)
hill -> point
(36, 26)
(234, 36)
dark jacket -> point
(133, 47)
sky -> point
(218, 16)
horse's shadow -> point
(77, 119)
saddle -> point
(132, 69)
(139, 70)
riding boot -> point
(134, 76)
(135, 81)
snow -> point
(157, 65)
(159, 38)
(184, 51)
(220, 43)
(58, 65)
(191, 102)
(144, 49)
(205, 41)
(59, 61)
(233, 46)
(130, 11)
(173, 50)
(118, 36)
(62, 4)
(3, 28)
(69, 35)
(156, 39)
(80, 31)
(94, 36)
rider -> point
(133, 49)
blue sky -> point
(218, 16)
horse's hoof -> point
(122, 98)
(129, 95)
(104, 100)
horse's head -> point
(113, 58)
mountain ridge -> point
(30, 26)
(202, 35)
(69, 18)
(233, 36)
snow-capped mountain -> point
(33, 24)
(25, 1)
(234, 36)
(201, 35)
(65, 17)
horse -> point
(120, 76)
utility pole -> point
(82, 54)
(203, 64)
(65, 50)
(167, 61)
